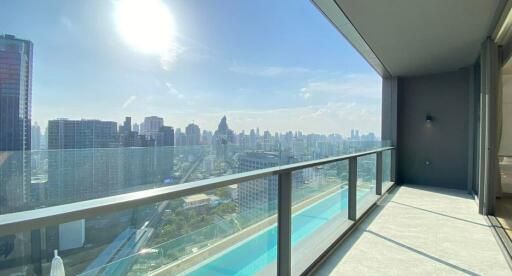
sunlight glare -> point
(145, 25)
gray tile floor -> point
(417, 230)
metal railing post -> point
(352, 188)
(378, 174)
(284, 224)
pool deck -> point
(419, 230)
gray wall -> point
(443, 142)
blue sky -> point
(277, 65)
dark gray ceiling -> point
(414, 37)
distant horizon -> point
(247, 131)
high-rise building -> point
(15, 93)
(193, 134)
(180, 138)
(258, 197)
(129, 138)
(165, 136)
(206, 137)
(15, 121)
(151, 126)
(81, 134)
(127, 125)
(35, 140)
(80, 165)
(164, 155)
(223, 136)
(136, 128)
(44, 139)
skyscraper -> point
(180, 138)
(222, 136)
(15, 131)
(127, 125)
(165, 136)
(257, 197)
(35, 141)
(151, 126)
(15, 120)
(15, 93)
(206, 137)
(193, 134)
(164, 154)
(80, 165)
(136, 128)
(81, 134)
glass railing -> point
(366, 182)
(319, 211)
(36, 179)
(387, 180)
(229, 230)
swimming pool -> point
(260, 250)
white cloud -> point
(169, 56)
(66, 22)
(173, 91)
(269, 71)
(129, 101)
(367, 86)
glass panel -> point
(366, 181)
(214, 233)
(320, 206)
(70, 175)
(386, 170)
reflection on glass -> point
(366, 181)
(69, 175)
(320, 206)
(166, 235)
(386, 170)
(174, 236)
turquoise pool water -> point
(261, 250)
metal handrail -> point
(35, 219)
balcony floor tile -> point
(418, 230)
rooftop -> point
(196, 197)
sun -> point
(145, 25)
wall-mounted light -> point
(428, 118)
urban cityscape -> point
(72, 160)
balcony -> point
(432, 197)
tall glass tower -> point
(15, 124)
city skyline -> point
(40, 137)
(269, 86)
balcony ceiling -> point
(414, 37)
